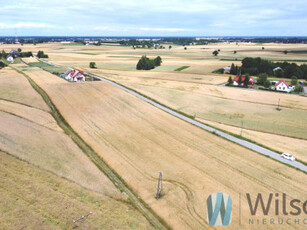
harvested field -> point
(32, 114)
(257, 109)
(296, 147)
(138, 140)
(33, 198)
(30, 60)
(145, 76)
(15, 87)
(53, 151)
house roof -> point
(14, 52)
(277, 68)
(73, 73)
(283, 82)
(243, 78)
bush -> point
(146, 64)
(40, 54)
(262, 79)
(2, 64)
(298, 88)
(26, 54)
(230, 81)
(93, 65)
(293, 80)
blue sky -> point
(153, 18)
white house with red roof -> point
(236, 81)
(283, 86)
(74, 75)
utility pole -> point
(278, 104)
(82, 219)
(160, 187)
(16, 39)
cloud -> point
(165, 29)
(25, 25)
(158, 18)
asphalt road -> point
(244, 143)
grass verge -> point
(182, 68)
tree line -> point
(146, 63)
(256, 66)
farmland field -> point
(33, 198)
(137, 140)
(48, 180)
(150, 141)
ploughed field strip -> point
(138, 141)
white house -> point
(283, 86)
(10, 58)
(74, 75)
(227, 69)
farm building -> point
(74, 75)
(283, 86)
(236, 81)
(12, 55)
(10, 58)
(227, 69)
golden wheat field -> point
(138, 141)
(253, 109)
(53, 181)
(32, 198)
(15, 87)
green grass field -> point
(49, 68)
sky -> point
(153, 18)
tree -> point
(169, 47)
(93, 65)
(230, 81)
(219, 50)
(235, 52)
(234, 69)
(240, 80)
(262, 78)
(285, 52)
(298, 88)
(262, 48)
(145, 63)
(185, 48)
(40, 54)
(3, 54)
(158, 61)
(215, 52)
(293, 80)
(2, 64)
(19, 50)
(246, 81)
(267, 84)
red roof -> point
(74, 73)
(243, 78)
(283, 82)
